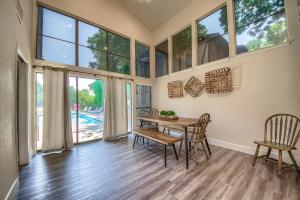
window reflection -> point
(212, 34)
(91, 58)
(161, 59)
(142, 57)
(265, 26)
(182, 50)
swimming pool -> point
(85, 120)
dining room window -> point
(94, 48)
(212, 37)
(182, 50)
(55, 37)
(259, 24)
(91, 46)
(118, 53)
(162, 59)
(142, 60)
(143, 97)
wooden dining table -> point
(180, 122)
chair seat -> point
(275, 145)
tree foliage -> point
(98, 89)
(111, 52)
(253, 11)
(39, 94)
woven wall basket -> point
(219, 81)
(194, 87)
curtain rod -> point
(88, 73)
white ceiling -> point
(153, 13)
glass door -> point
(39, 91)
(129, 105)
(87, 103)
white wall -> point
(13, 34)
(269, 82)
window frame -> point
(39, 36)
(77, 20)
(172, 45)
(141, 84)
(229, 39)
(155, 55)
(263, 48)
(136, 60)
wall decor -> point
(194, 87)
(219, 81)
(175, 89)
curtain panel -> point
(115, 110)
(57, 132)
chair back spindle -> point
(200, 128)
(283, 129)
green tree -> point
(39, 94)
(276, 33)
(110, 51)
(249, 11)
(202, 31)
(223, 19)
(72, 95)
(98, 88)
(182, 42)
(254, 44)
(96, 43)
(86, 99)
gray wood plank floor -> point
(102, 170)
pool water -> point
(85, 120)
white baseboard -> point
(248, 150)
(12, 191)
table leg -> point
(186, 147)
(156, 126)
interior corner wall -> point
(266, 82)
(13, 35)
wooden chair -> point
(282, 132)
(198, 136)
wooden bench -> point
(158, 137)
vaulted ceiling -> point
(154, 13)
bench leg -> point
(165, 155)
(135, 138)
(175, 151)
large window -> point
(142, 60)
(182, 50)
(143, 95)
(259, 24)
(55, 37)
(212, 37)
(91, 46)
(119, 53)
(94, 48)
(161, 59)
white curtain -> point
(115, 110)
(56, 122)
(67, 114)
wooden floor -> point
(102, 170)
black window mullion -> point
(76, 43)
(107, 52)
